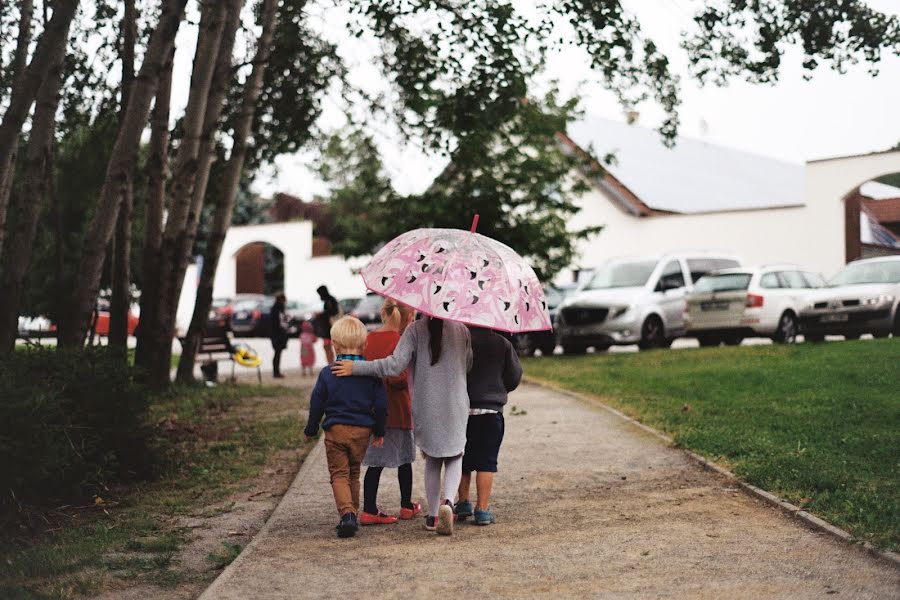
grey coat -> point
(440, 402)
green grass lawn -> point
(207, 446)
(817, 424)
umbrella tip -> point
(474, 222)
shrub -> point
(70, 422)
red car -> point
(102, 325)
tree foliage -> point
(517, 177)
(750, 37)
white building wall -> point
(302, 273)
(811, 235)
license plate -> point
(714, 305)
(241, 315)
(836, 318)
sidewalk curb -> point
(210, 592)
(808, 519)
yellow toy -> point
(246, 356)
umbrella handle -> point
(474, 223)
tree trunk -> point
(157, 161)
(120, 303)
(22, 96)
(20, 59)
(26, 207)
(221, 80)
(160, 335)
(225, 203)
(87, 281)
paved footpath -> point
(588, 506)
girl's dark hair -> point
(435, 336)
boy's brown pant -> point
(345, 447)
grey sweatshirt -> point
(496, 370)
(440, 404)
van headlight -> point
(617, 311)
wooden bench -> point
(216, 343)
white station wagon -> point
(732, 304)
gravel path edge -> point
(812, 521)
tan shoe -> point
(445, 520)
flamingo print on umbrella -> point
(460, 276)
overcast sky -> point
(795, 120)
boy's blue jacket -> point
(353, 400)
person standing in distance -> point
(279, 333)
(331, 312)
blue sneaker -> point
(483, 517)
(463, 509)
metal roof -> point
(692, 177)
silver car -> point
(862, 298)
(633, 301)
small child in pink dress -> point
(307, 351)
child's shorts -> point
(484, 434)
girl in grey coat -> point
(439, 355)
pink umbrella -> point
(460, 276)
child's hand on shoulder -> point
(378, 442)
(342, 368)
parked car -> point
(733, 304)
(223, 306)
(862, 298)
(369, 311)
(348, 304)
(633, 301)
(298, 311)
(34, 327)
(545, 341)
(251, 316)
(101, 327)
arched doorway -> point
(259, 269)
(872, 219)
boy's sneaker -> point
(378, 518)
(463, 509)
(348, 526)
(445, 519)
(430, 523)
(408, 513)
(483, 517)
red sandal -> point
(379, 519)
(408, 513)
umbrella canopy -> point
(460, 276)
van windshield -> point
(622, 275)
(873, 272)
(726, 282)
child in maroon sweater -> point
(399, 450)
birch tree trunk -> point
(221, 81)
(120, 165)
(120, 303)
(166, 287)
(19, 61)
(156, 166)
(225, 203)
(26, 206)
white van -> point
(634, 301)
